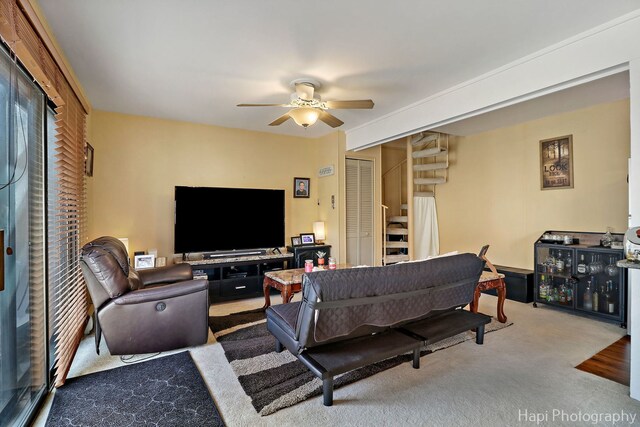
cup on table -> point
(308, 265)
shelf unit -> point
(238, 277)
(585, 282)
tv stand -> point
(237, 277)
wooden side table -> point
(288, 282)
(491, 280)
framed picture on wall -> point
(301, 187)
(556, 163)
(88, 160)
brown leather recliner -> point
(143, 311)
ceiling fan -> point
(306, 107)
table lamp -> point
(318, 230)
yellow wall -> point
(493, 194)
(139, 161)
(394, 178)
(329, 150)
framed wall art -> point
(556, 163)
(88, 160)
(301, 187)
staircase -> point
(396, 238)
(430, 158)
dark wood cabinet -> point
(302, 253)
(236, 278)
(518, 281)
(581, 277)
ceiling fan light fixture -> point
(304, 116)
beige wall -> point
(139, 160)
(394, 177)
(328, 152)
(493, 195)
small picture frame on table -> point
(144, 261)
(301, 187)
(296, 241)
(308, 238)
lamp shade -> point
(304, 116)
(318, 230)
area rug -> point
(275, 381)
(166, 391)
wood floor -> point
(611, 363)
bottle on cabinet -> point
(611, 301)
(595, 296)
(562, 294)
(582, 265)
(550, 262)
(569, 290)
(543, 288)
(587, 297)
(560, 262)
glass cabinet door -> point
(554, 269)
(599, 284)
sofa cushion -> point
(286, 316)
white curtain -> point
(425, 224)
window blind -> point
(66, 193)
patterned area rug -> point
(275, 381)
(167, 391)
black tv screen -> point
(209, 219)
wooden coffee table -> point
(288, 282)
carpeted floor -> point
(166, 391)
(525, 369)
(275, 381)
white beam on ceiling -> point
(599, 52)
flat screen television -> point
(209, 219)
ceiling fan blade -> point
(330, 119)
(262, 105)
(362, 103)
(280, 120)
(305, 91)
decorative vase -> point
(320, 261)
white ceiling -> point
(194, 60)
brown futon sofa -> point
(351, 318)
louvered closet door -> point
(359, 194)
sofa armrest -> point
(163, 292)
(168, 274)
